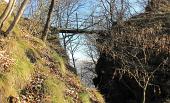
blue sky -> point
(87, 8)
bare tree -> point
(73, 46)
(65, 16)
(7, 12)
(17, 17)
(46, 27)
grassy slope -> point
(46, 80)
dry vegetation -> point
(140, 47)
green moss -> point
(69, 99)
(61, 62)
(22, 69)
(20, 73)
(55, 89)
(84, 98)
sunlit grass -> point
(55, 89)
(84, 98)
(20, 73)
(61, 62)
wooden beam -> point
(80, 31)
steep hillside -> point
(32, 72)
(134, 52)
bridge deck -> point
(80, 31)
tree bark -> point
(144, 95)
(6, 12)
(46, 27)
(10, 12)
(17, 17)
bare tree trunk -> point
(10, 12)
(144, 95)
(6, 12)
(17, 17)
(73, 60)
(46, 27)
